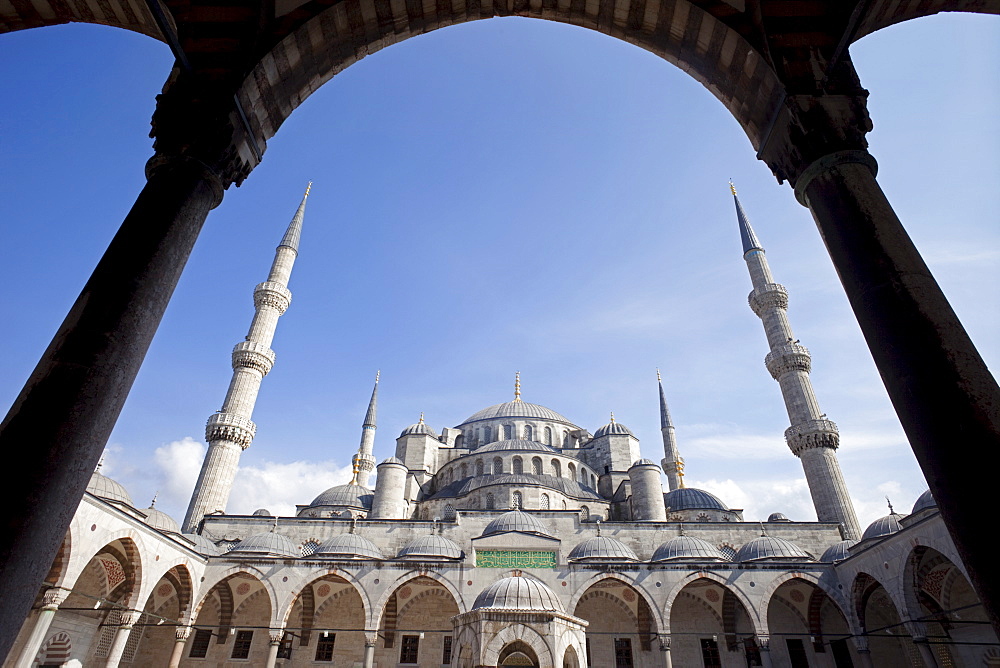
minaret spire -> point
(230, 431)
(364, 462)
(811, 437)
(672, 463)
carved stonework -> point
(766, 297)
(764, 643)
(275, 636)
(812, 434)
(664, 643)
(230, 427)
(274, 295)
(53, 598)
(181, 633)
(253, 355)
(789, 357)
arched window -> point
(593, 481)
(460, 441)
(487, 435)
(479, 467)
(566, 442)
(518, 465)
(571, 472)
(548, 436)
(543, 502)
(508, 431)
(536, 465)
(529, 433)
(490, 502)
(584, 513)
(465, 470)
(556, 468)
(449, 513)
(517, 500)
(564, 504)
(497, 466)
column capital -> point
(182, 633)
(664, 640)
(275, 636)
(371, 638)
(54, 597)
(861, 644)
(129, 619)
(763, 643)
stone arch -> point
(514, 633)
(751, 610)
(813, 618)
(657, 618)
(168, 605)
(130, 555)
(885, 649)
(423, 616)
(570, 658)
(209, 586)
(299, 586)
(57, 572)
(376, 610)
(835, 595)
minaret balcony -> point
(788, 357)
(253, 355)
(230, 427)
(766, 297)
(819, 433)
(272, 294)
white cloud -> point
(177, 466)
(280, 486)
(761, 497)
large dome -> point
(925, 501)
(352, 496)
(110, 490)
(515, 520)
(838, 551)
(883, 526)
(519, 409)
(160, 520)
(689, 498)
(518, 593)
(687, 547)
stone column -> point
(181, 634)
(665, 651)
(51, 600)
(274, 644)
(764, 644)
(864, 653)
(371, 638)
(926, 653)
(128, 620)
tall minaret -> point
(230, 431)
(672, 463)
(364, 461)
(812, 437)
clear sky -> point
(505, 195)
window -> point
(449, 513)
(497, 466)
(508, 431)
(556, 468)
(465, 471)
(590, 662)
(710, 653)
(841, 654)
(528, 432)
(490, 502)
(571, 471)
(518, 502)
(199, 644)
(548, 441)
(797, 653)
(408, 650)
(518, 465)
(584, 513)
(446, 654)
(536, 465)
(285, 648)
(241, 648)
(324, 647)
(623, 653)
(308, 548)
(487, 435)
(479, 467)
(543, 502)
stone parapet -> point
(812, 434)
(274, 295)
(253, 355)
(767, 296)
(788, 357)
(230, 427)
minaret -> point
(230, 431)
(812, 437)
(364, 461)
(672, 463)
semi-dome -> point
(348, 546)
(602, 548)
(518, 593)
(883, 526)
(110, 490)
(270, 544)
(203, 545)
(689, 498)
(350, 495)
(838, 551)
(769, 547)
(515, 444)
(777, 517)
(687, 547)
(516, 409)
(160, 520)
(431, 547)
(924, 501)
(515, 520)
(613, 429)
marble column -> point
(864, 652)
(764, 644)
(371, 638)
(665, 651)
(181, 634)
(274, 644)
(51, 600)
(128, 620)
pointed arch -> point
(657, 617)
(442, 580)
(301, 584)
(751, 610)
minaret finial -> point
(309, 187)
(612, 417)
(732, 187)
(377, 375)
(598, 528)
(747, 235)
(421, 418)
(152, 504)
(100, 464)
(891, 511)
(659, 378)
(517, 386)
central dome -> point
(518, 408)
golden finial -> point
(658, 378)
(680, 472)
(517, 386)
(612, 417)
(377, 374)
(421, 418)
(308, 188)
(357, 472)
(732, 187)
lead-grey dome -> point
(644, 462)
(883, 526)
(348, 546)
(769, 547)
(515, 520)
(514, 444)
(777, 517)
(431, 547)
(613, 429)
(110, 490)
(160, 520)
(203, 545)
(350, 495)
(518, 593)
(262, 512)
(924, 501)
(602, 548)
(270, 544)
(687, 547)
(418, 429)
(838, 551)
(689, 498)
(517, 408)
(393, 460)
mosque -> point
(516, 538)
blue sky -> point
(505, 195)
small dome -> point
(515, 444)
(777, 517)
(269, 544)
(393, 460)
(687, 547)
(602, 548)
(516, 409)
(160, 520)
(419, 429)
(518, 593)
(431, 547)
(515, 520)
(613, 429)
(348, 546)
(262, 512)
(110, 490)
(883, 526)
(203, 545)
(689, 498)
(352, 496)
(838, 551)
(924, 501)
(769, 547)
(644, 462)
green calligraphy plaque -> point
(515, 559)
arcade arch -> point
(621, 624)
(326, 622)
(416, 624)
(804, 622)
(881, 624)
(167, 606)
(709, 623)
(232, 621)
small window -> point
(490, 502)
(797, 653)
(529, 434)
(517, 501)
(446, 653)
(710, 653)
(536, 465)
(199, 644)
(465, 471)
(556, 468)
(543, 502)
(324, 647)
(548, 441)
(487, 435)
(479, 467)
(518, 465)
(408, 649)
(285, 648)
(497, 466)
(449, 513)
(241, 647)
(623, 653)
(508, 431)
